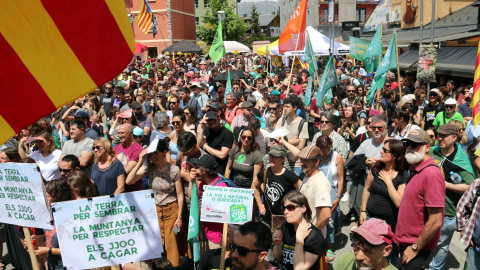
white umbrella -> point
(231, 46)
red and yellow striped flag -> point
(145, 19)
(475, 104)
(54, 51)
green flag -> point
(374, 87)
(358, 48)
(371, 63)
(310, 58)
(389, 61)
(308, 95)
(193, 224)
(375, 47)
(217, 50)
(228, 89)
(329, 80)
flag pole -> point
(293, 64)
(380, 63)
(398, 69)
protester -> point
(178, 122)
(79, 145)
(191, 120)
(81, 185)
(47, 155)
(108, 173)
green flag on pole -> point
(358, 48)
(310, 58)
(375, 47)
(228, 88)
(371, 63)
(193, 224)
(374, 87)
(329, 80)
(217, 50)
(308, 95)
(389, 61)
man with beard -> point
(350, 96)
(454, 163)
(420, 215)
(106, 100)
(143, 120)
(247, 113)
(130, 99)
(215, 139)
(372, 243)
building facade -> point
(201, 6)
(176, 22)
(288, 6)
(347, 10)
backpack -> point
(227, 181)
(300, 126)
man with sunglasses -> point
(421, 211)
(450, 113)
(372, 243)
(453, 161)
(67, 165)
(350, 99)
(433, 107)
(327, 125)
(107, 99)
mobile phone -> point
(175, 230)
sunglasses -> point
(324, 122)
(273, 109)
(97, 147)
(290, 207)
(387, 85)
(108, 88)
(450, 107)
(368, 123)
(242, 251)
(351, 91)
(176, 122)
(375, 128)
(65, 170)
(433, 95)
(385, 150)
(247, 138)
(137, 136)
(171, 102)
(411, 144)
(432, 136)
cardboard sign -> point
(108, 230)
(22, 197)
(227, 205)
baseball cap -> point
(343, 77)
(448, 129)
(206, 161)
(275, 93)
(362, 72)
(262, 87)
(246, 104)
(136, 105)
(436, 91)
(215, 105)
(450, 101)
(211, 115)
(138, 132)
(195, 84)
(309, 152)
(370, 75)
(126, 114)
(278, 151)
(375, 231)
(418, 136)
(81, 114)
(161, 93)
(373, 112)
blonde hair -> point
(49, 139)
(102, 141)
(460, 125)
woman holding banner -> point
(164, 180)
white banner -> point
(227, 205)
(22, 198)
(108, 230)
(331, 11)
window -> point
(196, 3)
(152, 52)
(362, 15)
(197, 21)
(205, 4)
(325, 14)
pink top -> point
(425, 189)
(125, 155)
(213, 231)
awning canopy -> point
(236, 47)
(453, 61)
(263, 50)
(184, 46)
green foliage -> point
(256, 31)
(235, 26)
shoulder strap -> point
(264, 184)
(300, 126)
(415, 172)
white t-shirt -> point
(263, 141)
(317, 190)
(48, 165)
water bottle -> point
(456, 178)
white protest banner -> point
(108, 230)
(22, 198)
(227, 205)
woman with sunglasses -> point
(349, 124)
(47, 155)
(178, 121)
(361, 113)
(191, 120)
(462, 136)
(245, 160)
(164, 180)
(450, 113)
(298, 243)
(142, 99)
(108, 173)
(385, 185)
(402, 125)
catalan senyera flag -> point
(145, 18)
(475, 104)
(54, 51)
(294, 30)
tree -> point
(234, 25)
(256, 31)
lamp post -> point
(221, 17)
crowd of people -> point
(406, 163)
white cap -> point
(437, 91)
(450, 101)
(407, 98)
(362, 72)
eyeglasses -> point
(242, 251)
(385, 150)
(375, 128)
(108, 87)
(433, 94)
(173, 102)
(290, 207)
(387, 85)
(273, 109)
(450, 107)
(176, 122)
(351, 91)
(98, 147)
(324, 122)
(137, 136)
(368, 123)
(247, 138)
(64, 170)
(411, 144)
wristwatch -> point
(50, 251)
(414, 247)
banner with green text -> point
(358, 48)
(227, 205)
(108, 230)
(22, 198)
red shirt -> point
(127, 154)
(314, 107)
(425, 189)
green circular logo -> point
(241, 159)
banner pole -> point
(224, 245)
(293, 66)
(398, 70)
(31, 250)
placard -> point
(227, 205)
(108, 230)
(22, 198)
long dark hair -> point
(59, 190)
(397, 149)
(82, 184)
(298, 198)
(238, 147)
